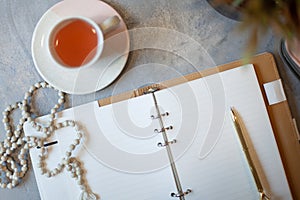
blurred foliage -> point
(259, 16)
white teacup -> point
(77, 42)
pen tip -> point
(232, 113)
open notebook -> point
(126, 157)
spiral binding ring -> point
(180, 194)
(162, 115)
(163, 129)
(166, 143)
(151, 90)
(157, 131)
(154, 117)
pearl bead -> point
(60, 94)
(48, 174)
(65, 123)
(37, 85)
(52, 116)
(14, 145)
(17, 133)
(7, 127)
(78, 171)
(71, 147)
(58, 126)
(64, 162)
(73, 175)
(68, 167)
(40, 143)
(83, 187)
(38, 128)
(26, 115)
(32, 88)
(32, 123)
(15, 182)
(43, 150)
(60, 101)
(19, 127)
(73, 170)
(72, 123)
(14, 106)
(76, 141)
(27, 94)
(23, 151)
(43, 84)
(68, 154)
(26, 146)
(24, 169)
(59, 167)
(8, 108)
(21, 156)
(21, 174)
(22, 120)
(76, 164)
(24, 108)
(8, 151)
(8, 134)
(76, 127)
(80, 182)
(44, 130)
(6, 141)
(5, 120)
(8, 173)
(53, 110)
(13, 139)
(51, 129)
(79, 134)
(55, 171)
(9, 186)
(43, 171)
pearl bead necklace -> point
(14, 171)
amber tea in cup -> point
(78, 41)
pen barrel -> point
(248, 156)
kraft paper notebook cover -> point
(124, 154)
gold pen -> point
(237, 125)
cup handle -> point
(110, 24)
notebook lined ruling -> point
(177, 140)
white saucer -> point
(85, 80)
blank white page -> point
(120, 154)
(208, 154)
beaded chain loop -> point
(11, 170)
